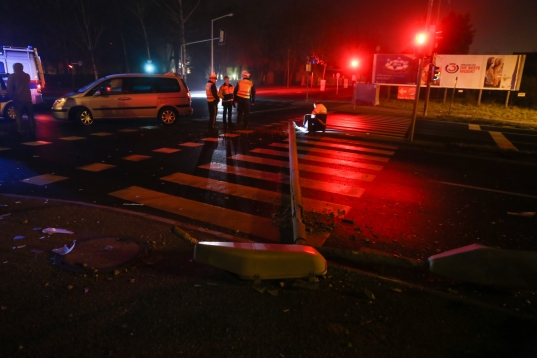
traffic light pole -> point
(416, 99)
(428, 93)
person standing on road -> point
(18, 89)
(226, 93)
(244, 95)
(212, 99)
(318, 109)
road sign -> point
(406, 92)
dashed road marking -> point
(305, 167)
(340, 155)
(136, 157)
(320, 185)
(226, 218)
(474, 127)
(501, 141)
(43, 179)
(96, 167)
(315, 158)
(247, 192)
(167, 150)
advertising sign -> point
(395, 69)
(490, 72)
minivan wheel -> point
(84, 116)
(168, 115)
(9, 112)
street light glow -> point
(149, 67)
(354, 63)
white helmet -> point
(245, 74)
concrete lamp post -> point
(212, 39)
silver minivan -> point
(165, 97)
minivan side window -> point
(136, 85)
(167, 85)
(115, 85)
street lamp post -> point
(212, 39)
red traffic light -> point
(421, 39)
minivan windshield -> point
(86, 87)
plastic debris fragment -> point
(108, 248)
(18, 247)
(4, 215)
(36, 251)
(64, 250)
(18, 237)
(369, 294)
(54, 230)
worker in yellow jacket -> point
(244, 96)
(225, 92)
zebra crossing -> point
(376, 124)
(329, 167)
(268, 165)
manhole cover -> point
(102, 253)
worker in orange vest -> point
(212, 99)
(318, 114)
(244, 96)
(226, 93)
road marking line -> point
(227, 218)
(136, 157)
(3, 148)
(150, 127)
(244, 131)
(315, 158)
(101, 134)
(191, 144)
(252, 193)
(230, 135)
(486, 189)
(73, 138)
(340, 155)
(284, 179)
(167, 150)
(96, 167)
(353, 142)
(501, 141)
(128, 130)
(210, 139)
(474, 127)
(304, 167)
(345, 146)
(43, 179)
(37, 142)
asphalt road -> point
(453, 187)
(403, 199)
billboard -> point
(490, 72)
(395, 69)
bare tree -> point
(90, 27)
(180, 11)
(138, 7)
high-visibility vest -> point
(244, 88)
(319, 109)
(226, 92)
(208, 92)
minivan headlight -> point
(59, 102)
